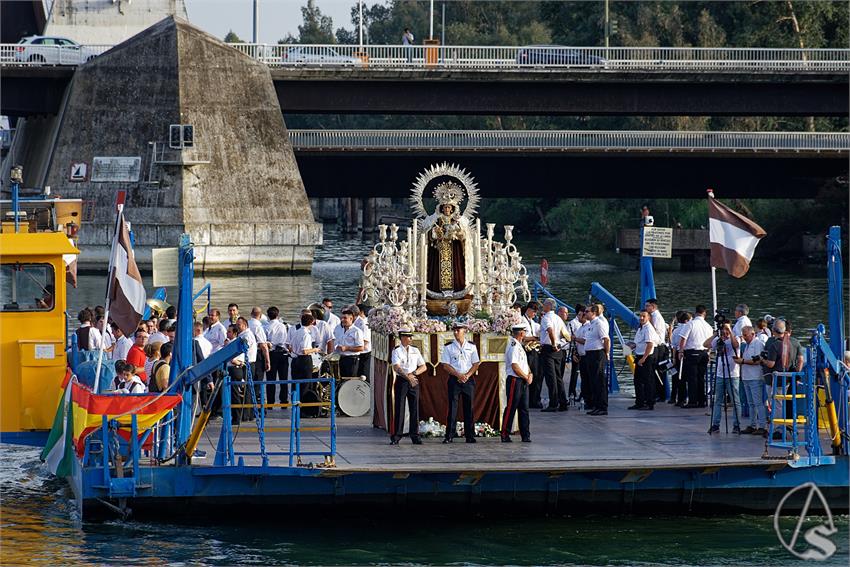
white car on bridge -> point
(51, 50)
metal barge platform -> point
(628, 462)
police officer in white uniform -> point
(460, 360)
(517, 381)
(348, 342)
(408, 365)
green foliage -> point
(317, 28)
(231, 37)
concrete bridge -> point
(634, 81)
(576, 163)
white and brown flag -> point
(127, 292)
(733, 238)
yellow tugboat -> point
(37, 246)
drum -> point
(314, 393)
(353, 397)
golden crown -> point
(448, 193)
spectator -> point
(159, 336)
(126, 382)
(407, 40)
(751, 374)
(122, 345)
(136, 355)
(741, 319)
(152, 351)
(161, 371)
(201, 340)
(88, 337)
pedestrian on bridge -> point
(407, 41)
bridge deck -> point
(669, 437)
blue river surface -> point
(39, 523)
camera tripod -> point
(722, 370)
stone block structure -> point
(236, 190)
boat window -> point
(27, 287)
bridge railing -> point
(530, 58)
(565, 140)
(475, 57)
(38, 55)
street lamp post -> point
(431, 33)
(256, 20)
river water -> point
(38, 524)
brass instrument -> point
(158, 306)
(532, 345)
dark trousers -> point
(645, 382)
(405, 393)
(596, 374)
(586, 384)
(348, 366)
(365, 365)
(536, 385)
(279, 370)
(660, 354)
(696, 363)
(553, 372)
(574, 368)
(467, 392)
(302, 369)
(258, 374)
(237, 394)
(517, 393)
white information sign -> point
(165, 267)
(45, 352)
(79, 171)
(116, 169)
(657, 242)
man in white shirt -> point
(88, 337)
(645, 343)
(679, 388)
(460, 360)
(532, 337)
(597, 344)
(159, 336)
(573, 352)
(742, 310)
(348, 343)
(662, 353)
(255, 324)
(277, 334)
(751, 374)
(216, 334)
(691, 341)
(122, 343)
(551, 328)
(361, 321)
(331, 319)
(518, 378)
(727, 377)
(203, 343)
(408, 365)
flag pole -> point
(108, 293)
(713, 277)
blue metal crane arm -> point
(614, 305)
(214, 361)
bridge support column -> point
(369, 214)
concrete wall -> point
(238, 192)
(108, 21)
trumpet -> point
(532, 345)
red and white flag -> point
(127, 292)
(733, 238)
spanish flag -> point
(88, 410)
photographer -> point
(692, 344)
(751, 374)
(741, 319)
(726, 379)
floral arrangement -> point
(432, 428)
(478, 325)
(502, 322)
(429, 326)
(481, 430)
(390, 320)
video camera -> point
(720, 317)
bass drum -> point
(314, 394)
(353, 397)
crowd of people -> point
(276, 350)
(569, 355)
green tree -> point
(317, 28)
(231, 37)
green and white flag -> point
(58, 453)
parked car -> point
(317, 56)
(52, 50)
(557, 55)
